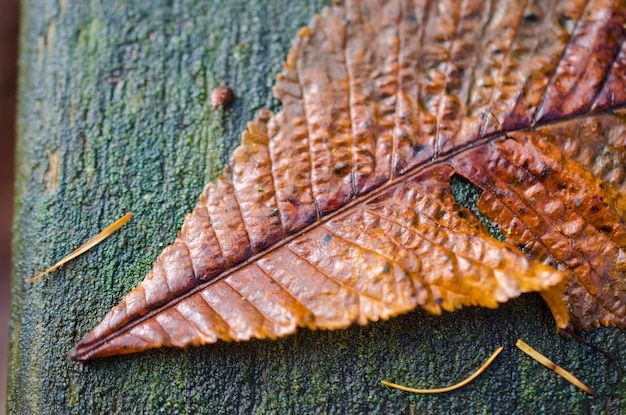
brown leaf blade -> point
(560, 214)
(402, 249)
(338, 209)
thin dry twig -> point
(108, 231)
(554, 367)
(449, 388)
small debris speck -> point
(222, 96)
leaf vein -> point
(503, 67)
(284, 289)
(574, 244)
(563, 54)
(332, 278)
(607, 74)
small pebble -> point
(222, 96)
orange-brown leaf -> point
(338, 209)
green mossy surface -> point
(115, 116)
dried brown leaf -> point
(338, 209)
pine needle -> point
(108, 231)
(449, 388)
(553, 367)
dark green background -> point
(115, 116)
